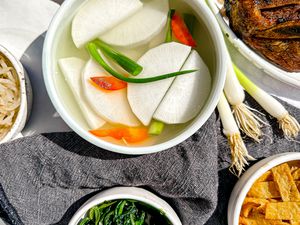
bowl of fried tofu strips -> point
(268, 193)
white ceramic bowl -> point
(212, 49)
(292, 78)
(247, 180)
(133, 193)
(26, 96)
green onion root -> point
(247, 121)
(289, 126)
(239, 153)
(287, 123)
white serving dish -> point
(292, 78)
(212, 50)
(26, 97)
(133, 193)
(247, 180)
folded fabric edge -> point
(7, 211)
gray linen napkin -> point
(47, 177)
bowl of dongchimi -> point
(141, 105)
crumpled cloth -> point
(46, 178)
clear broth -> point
(66, 48)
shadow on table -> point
(44, 117)
(227, 182)
(71, 142)
(73, 208)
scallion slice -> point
(126, 63)
(156, 127)
(92, 48)
(169, 28)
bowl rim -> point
(244, 184)
(21, 118)
(258, 61)
(221, 59)
(134, 193)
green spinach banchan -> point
(124, 212)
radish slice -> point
(158, 39)
(111, 105)
(141, 27)
(98, 16)
(133, 53)
(71, 69)
(187, 95)
(166, 58)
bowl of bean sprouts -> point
(15, 95)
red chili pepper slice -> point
(108, 83)
(181, 31)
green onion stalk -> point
(126, 63)
(93, 50)
(169, 36)
(246, 119)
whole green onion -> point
(289, 125)
(93, 51)
(126, 63)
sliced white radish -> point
(187, 95)
(141, 27)
(166, 58)
(132, 53)
(158, 39)
(111, 105)
(98, 16)
(71, 69)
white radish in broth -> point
(113, 106)
(140, 28)
(166, 58)
(71, 69)
(187, 95)
(132, 53)
(158, 39)
(98, 16)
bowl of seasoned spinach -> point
(125, 206)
